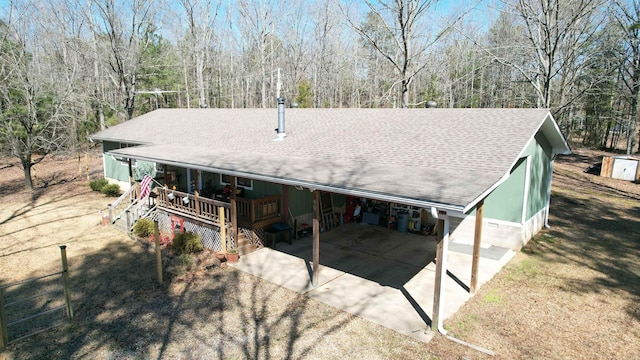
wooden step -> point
(246, 249)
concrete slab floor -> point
(381, 275)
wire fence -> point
(35, 305)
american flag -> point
(145, 186)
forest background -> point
(69, 68)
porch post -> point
(234, 211)
(477, 239)
(316, 238)
(285, 203)
(130, 173)
(441, 270)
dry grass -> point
(571, 293)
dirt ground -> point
(572, 292)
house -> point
(480, 176)
(451, 159)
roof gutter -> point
(453, 210)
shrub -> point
(111, 190)
(180, 265)
(98, 184)
(187, 243)
(143, 228)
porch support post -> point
(130, 172)
(442, 228)
(316, 238)
(477, 239)
(234, 211)
(284, 209)
(223, 229)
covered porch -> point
(382, 275)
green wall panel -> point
(540, 175)
(505, 202)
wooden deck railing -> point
(249, 211)
(195, 206)
(257, 210)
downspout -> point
(442, 274)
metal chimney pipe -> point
(281, 132)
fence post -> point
(65, 281)
(110, 214)
(156, 240)
(4, 332)
(128, 216)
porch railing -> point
(124, 202)
(193, 206)
(256, 210)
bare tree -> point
(201, 17)
(401, 22)
(125, 25)
(558, 33)
(627, 16)
(33, 122)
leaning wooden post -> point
(316, 238)
(477, 238)
(223, 229)
(435, 318)
(156, 240)
(65, 281)
(4, 332)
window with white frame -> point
(240, 181)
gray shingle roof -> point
(443, 156)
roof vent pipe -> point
(280, 130)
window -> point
(240, 181)
(159, 168)
(123, 160)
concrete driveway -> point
(381, 275)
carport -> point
(381, 275)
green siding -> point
(119, 170)
(505, 202)
(300, 201)
(114, 169)
(540, 175)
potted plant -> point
(232, 256)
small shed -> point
(621, 167)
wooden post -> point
(4, 334)
(223, 229)
(197, 203)
(234, 210)
(435, 318)
(127, 214)
(86, 162)
(130, 173)
(110, 214)
(477, 238)
(284, 210)
(316, 238)
(65, 281)
(156, 240)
